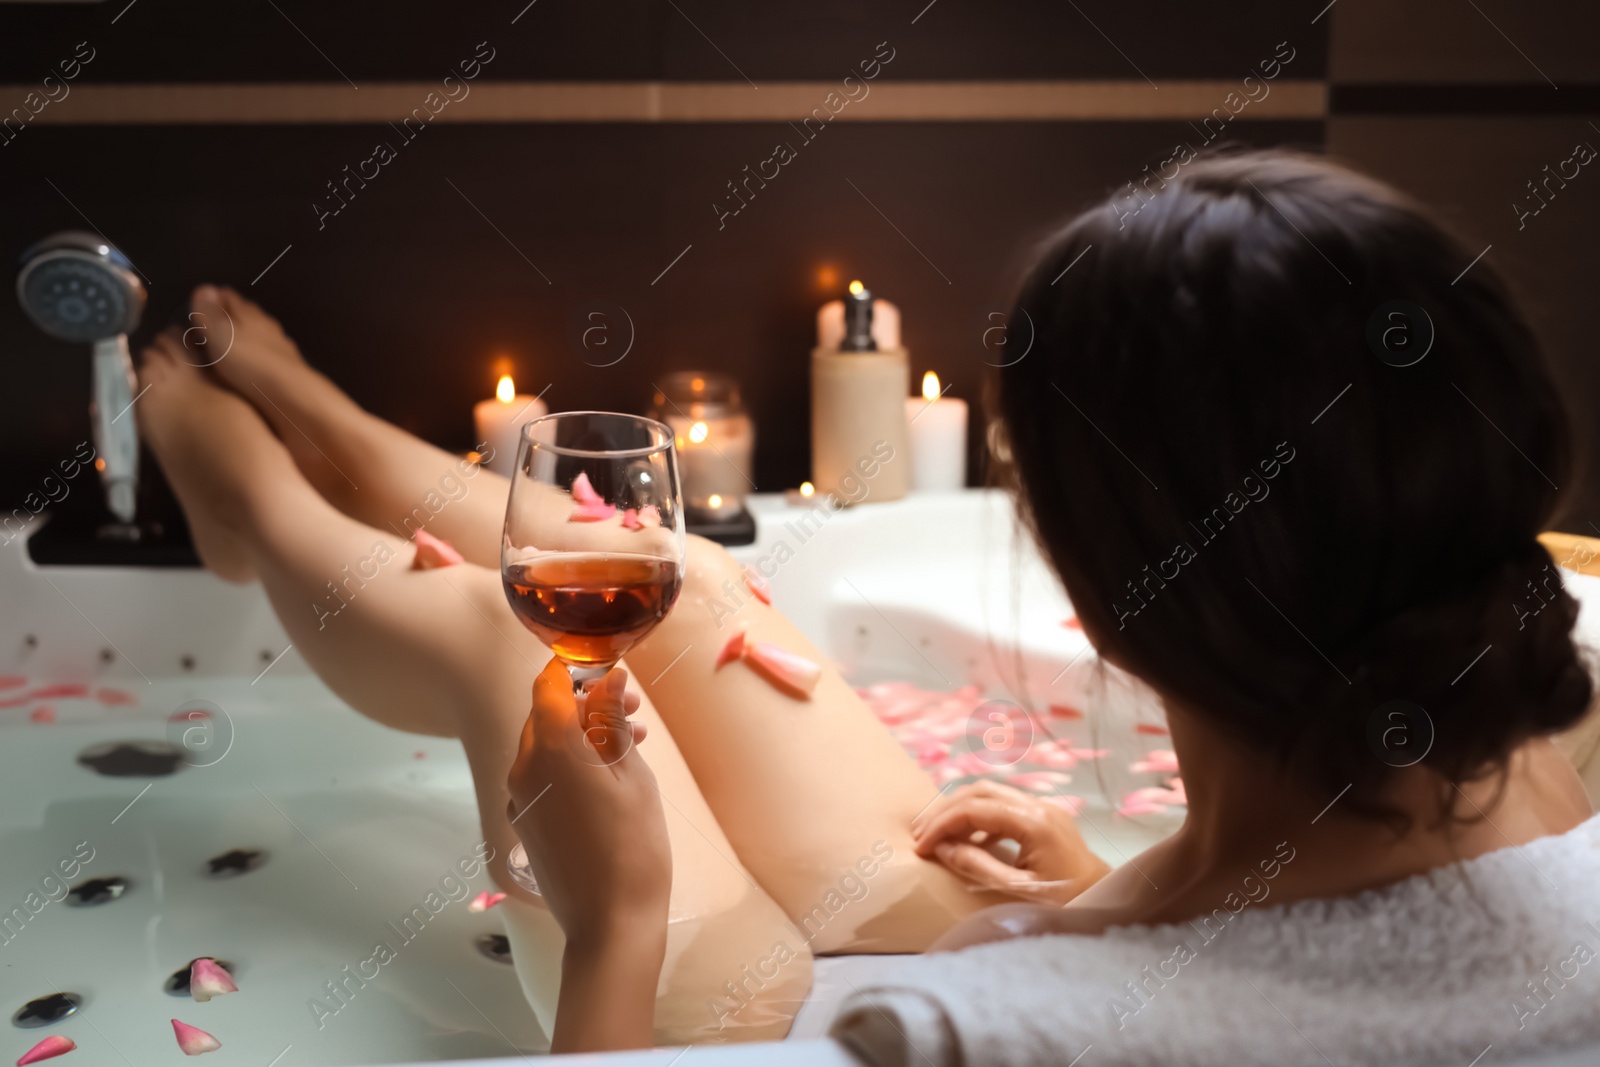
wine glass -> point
(593, 553)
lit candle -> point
(937, 426)
(885, 324)
(499, 423)
(802, 497)
(713, 461)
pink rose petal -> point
(115, 698)
(207, 979)
(189, 715)
(193, 1040)
(1160, 761)
(16, 702)
(592, 512)
(783, 668)
(485, 900)
(1140, 808)
(630, 520)
(61, 691)
(1039, 781)
(1150, 729)
(1072, 622)
(12, 681)
(51, 1047)
(434, 552)
(43, 714)
(733, 650)
(649, 515)
(583, 491)
(758, 585)
(1063, 711)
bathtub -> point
(292, 836)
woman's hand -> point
(1053, 864)
(587, 808)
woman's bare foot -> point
(208, 441)
(262, 364)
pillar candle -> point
(499, 423)
(937, 427)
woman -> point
(1156, 388)
(346, 520)
(1303, 537)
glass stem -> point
(585, 677)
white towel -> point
(1500, 950)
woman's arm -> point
(588, 810)
(608, 988)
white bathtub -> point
(360, 822)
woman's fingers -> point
(969, 815)
(978, 866)
(983, 787)
(554, 706)
(605, 717)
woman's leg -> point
(368, 468)
(439, 652)
(808, 793)
(815, 795)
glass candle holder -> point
(715, 442)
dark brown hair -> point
(1257, 509)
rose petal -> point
(783, 668)
(207, 979)
(12, 681)
(193, 1040)
(51, 1047)
(733, 650)
(485, 900)
(1039, 781)
(1160, 761)
(1072, 622)
(758, 585)
(630, 520)
(1142, 808)
(1150, 729)
(592, 512)
(43, 714)
(1063, 711)
(115, 697)
(433, 552)
(583, 491)
(649, 515)
(189, 715)
(60, 692)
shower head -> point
(76, 286)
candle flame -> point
(856, 288)
(930, 387)
(715, 500)
(505, 392)
(699, 432)
(807, 489)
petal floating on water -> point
(207, 979)
(51, 1047)
(193, 1040)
